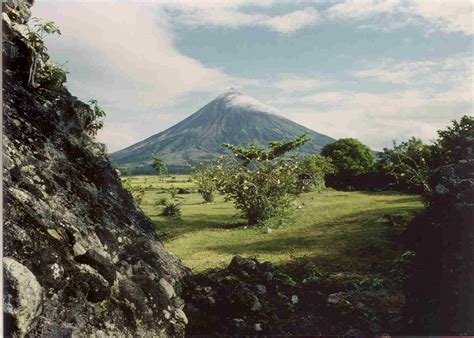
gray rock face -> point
(80, 251)
(24, 296)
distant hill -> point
(230, 118)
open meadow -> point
(352, 232)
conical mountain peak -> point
(233, 118)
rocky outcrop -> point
(80, 257)
(253, 298)
(440, 292)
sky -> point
(376, 70)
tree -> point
(159, 165)
(410, 163)
(205, 177)
(351, 159)
(312, 171)
(260, 181)
(454, 141)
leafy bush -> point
(454, 141)
(161, 201)
(259, 181)
(173, 192)
(312, 171)
(410, 163)
(205, 178)
(351, 159)
(93, 121)
(43, 74)
(171, 209)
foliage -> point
(171, 209)
(410, 163)
(276, 149)
(48, 75)
(93, 122)
(205, 178)
(402, 266)
(312, 171)
(159, 165)
(36, 36)
(161, 201)
(351, 160)
(454, 140)
(173, 192)
(259, 181)
(136, 190)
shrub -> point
(312, 171)
(161, 201)
(205, 178)
(159, 165)
(259, 181)
(93, 121)
(352, 160)
(410, 163)
(171, 209)
(43, 74)
(453, 142)
(173, 192)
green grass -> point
(343, 231)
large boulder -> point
(81, 257)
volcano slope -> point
(231, 118)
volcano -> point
(230, 118)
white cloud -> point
(127, 60)
(293, 83)
(430, 93)
(362, 8)
(454, 70)
(449, 16)
(233, 18)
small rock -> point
(166, 288)
(256, 306)
(261, 289)
(269, 230)
(211, 300)
(180, 316)
(294, 299)
(258, 327)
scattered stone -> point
(258, 327)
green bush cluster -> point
(205, 177)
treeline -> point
(405, 167)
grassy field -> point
(342, 231)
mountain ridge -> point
(230, 118)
